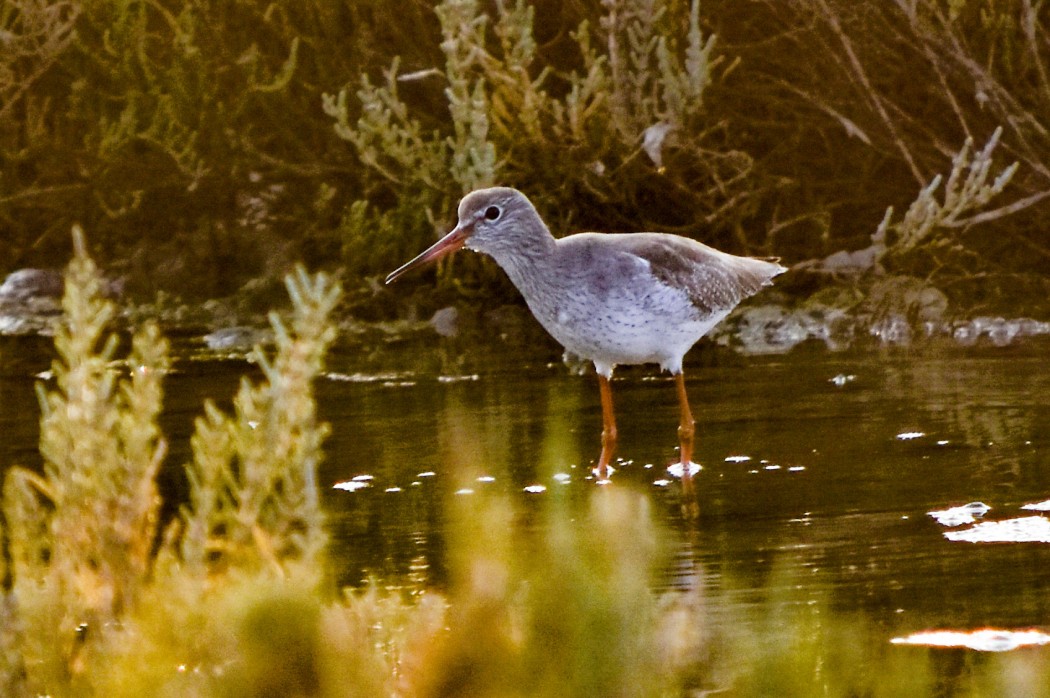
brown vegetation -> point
(208, 144)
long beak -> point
(446, 245)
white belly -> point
(659, 330)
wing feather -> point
(714, 281)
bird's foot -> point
(678, 469)
(603, 475)
(685, 472)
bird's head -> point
(491, 221)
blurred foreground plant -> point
(82, 537)
(572, 614)
(253, 480)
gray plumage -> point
(611, 298)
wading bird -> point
(630, 298)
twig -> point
(858, 69)
(41, 191)
(849, 125)
(1001, 212)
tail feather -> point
(755, 273)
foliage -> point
(173, 129)
(631, 105)
(253, 490)
(82, 537)
(571, 615)
(966, 190)
(860, 104)
(209, 143)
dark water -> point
(819, 469)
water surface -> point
(819, 468)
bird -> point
(611, 298)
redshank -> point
(630, 298)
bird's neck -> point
(529, 261)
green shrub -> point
(82, 536)
(195, 138)
(623, 126)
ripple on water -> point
(960, 515)
(1024, 529)
(983, 640)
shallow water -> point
(819, 468)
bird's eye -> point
(492, 213)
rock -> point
(769, 329)
(446, 321)
(237, 339)
(1000, 332)
(24, 284)
(30, 299)
(892, 329)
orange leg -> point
(686, 431)
(608, 428)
